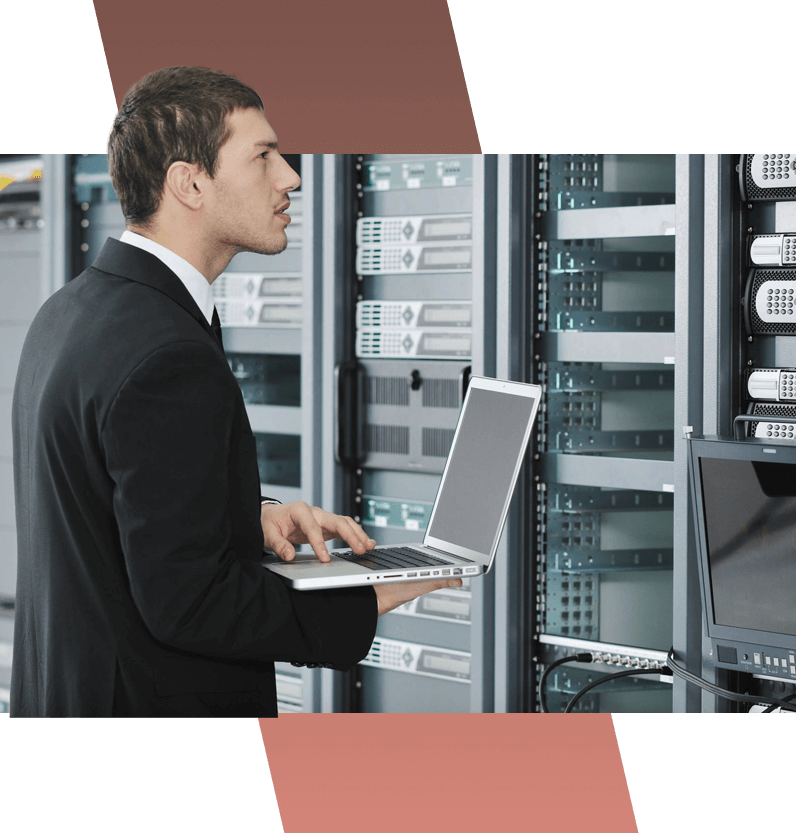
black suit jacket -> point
(140, 590)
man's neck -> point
(189, 246)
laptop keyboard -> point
(394, 558)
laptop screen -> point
(480, 471)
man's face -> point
(250, 189)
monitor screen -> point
(750, 527)
(479, 475)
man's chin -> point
(277, 245)
(271, 247)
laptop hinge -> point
(449, 554)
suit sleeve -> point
(167, 444)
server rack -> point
(409, 278)
(602, 264)
(747, 240)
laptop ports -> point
(426, 573)
(446, 572)
(457, 572)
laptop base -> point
(306, 572)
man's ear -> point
(184, 182)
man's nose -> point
(291, 179)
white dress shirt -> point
(195, 282)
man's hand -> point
(298, 523)
(391, 596)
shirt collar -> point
(195, 282)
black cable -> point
(546, 674)
(789, 699)
(754, 699)
(673, 668)
(631, 672)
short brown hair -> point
(177, 114)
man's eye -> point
(264, 154)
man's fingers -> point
(283, 548)
(353, 534)
(413, 589)
(310, 527)
(439, 585)
(348, 530)
(420, 588)
(272, 535)
(391, 596)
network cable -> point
(631, 672)
(542, 694)
(674, 668)
(587, 657)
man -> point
(140, 525)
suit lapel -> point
(135, 264)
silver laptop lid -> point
(483, 465)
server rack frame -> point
(721, 370)
(690, 395)
(515, 297)
(338, 307)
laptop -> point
(470, 508)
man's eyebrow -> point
(264, 144)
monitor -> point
(745, 512)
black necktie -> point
(216, 325)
